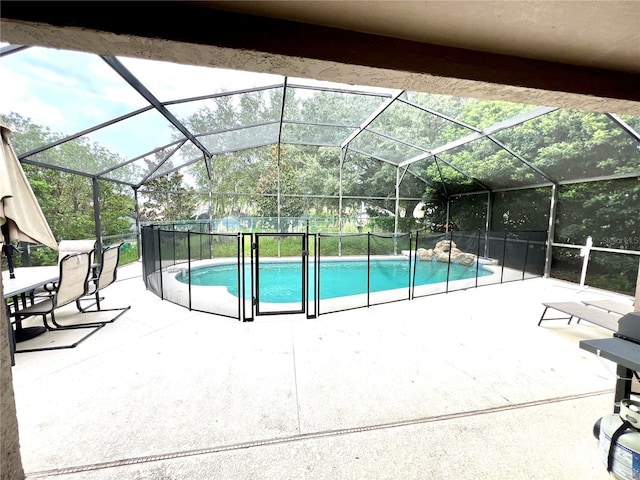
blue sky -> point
(71, 91)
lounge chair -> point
(582, 312)
(72, 284)
(108, 274)
(612, 306)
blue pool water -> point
(280, 282)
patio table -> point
(26, 280)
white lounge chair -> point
(580, 311)
(612, 306)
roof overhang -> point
(352, 44)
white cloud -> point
(169, 81)
(70, 91)
(16, 95)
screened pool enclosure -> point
(113, 144)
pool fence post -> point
(242, 298)
(414, 255)
(526, 256)
(173, 240)
(254, 274)
(368, 267)
(160, 264)
(189, 263)
(449, 262)
(504, 254)
(409, 269)
(478, 259)
(318, 256)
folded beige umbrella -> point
(21, 217)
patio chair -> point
(67, 247)
(108, 274)
(72, 284)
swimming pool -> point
(280, 282)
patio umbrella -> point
(21, 218)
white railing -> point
(586, 249)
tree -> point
(317, 167)
(66, 199)
(278, 177)
(234, 173)
(521, 209)
(168, 199)
(567, 146)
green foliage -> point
(168, 199)
(282, 246)
(435, 209)
(66, 199)
(43, 256)
(309, 175)
(351, 245)
(521, 209)
(468, 213)
(383, 223)
(285, 246)
(279, 177)
(608, 271)
(128, 253)
(607, 211)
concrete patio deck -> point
(453, 386)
